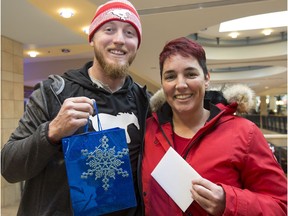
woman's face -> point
(184, 83)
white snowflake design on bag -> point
(104, 162)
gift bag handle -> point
(98, 119)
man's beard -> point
(112, 70)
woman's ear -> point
(207, 80)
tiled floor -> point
(9, 210)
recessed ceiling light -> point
(262, 21)
(234, 34)
(267, 32)
(66, 12)
(86, 30)
(33, 54)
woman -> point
(240, 175)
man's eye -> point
(130, 33)
(108, 29)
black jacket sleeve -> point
(28, 150)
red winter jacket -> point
(230, 151)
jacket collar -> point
(164, 114)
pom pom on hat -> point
(121, 10)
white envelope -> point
(175, 176)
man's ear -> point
(92, 43)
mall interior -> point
(37, 41)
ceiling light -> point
(279, 103)
(66, 12)
(33, 54)
(86, 30)
(262, 21)
(234, 34)
(267, 32)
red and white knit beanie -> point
(121, 10)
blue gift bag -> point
(99, 171)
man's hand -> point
(73, 114)
(209, 196)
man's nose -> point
(119, 37)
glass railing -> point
(278, 145)
(269, 122)
(274, 128)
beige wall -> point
(12, 105)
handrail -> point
(275, 136)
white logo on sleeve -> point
(122, 120)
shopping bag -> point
(99, 171)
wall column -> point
(12, 105)
(263, 105)
(273, 105)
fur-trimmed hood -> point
(241, 94)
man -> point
(61, 105)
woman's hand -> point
(209, 196)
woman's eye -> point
(169, 77)
(191, 75)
